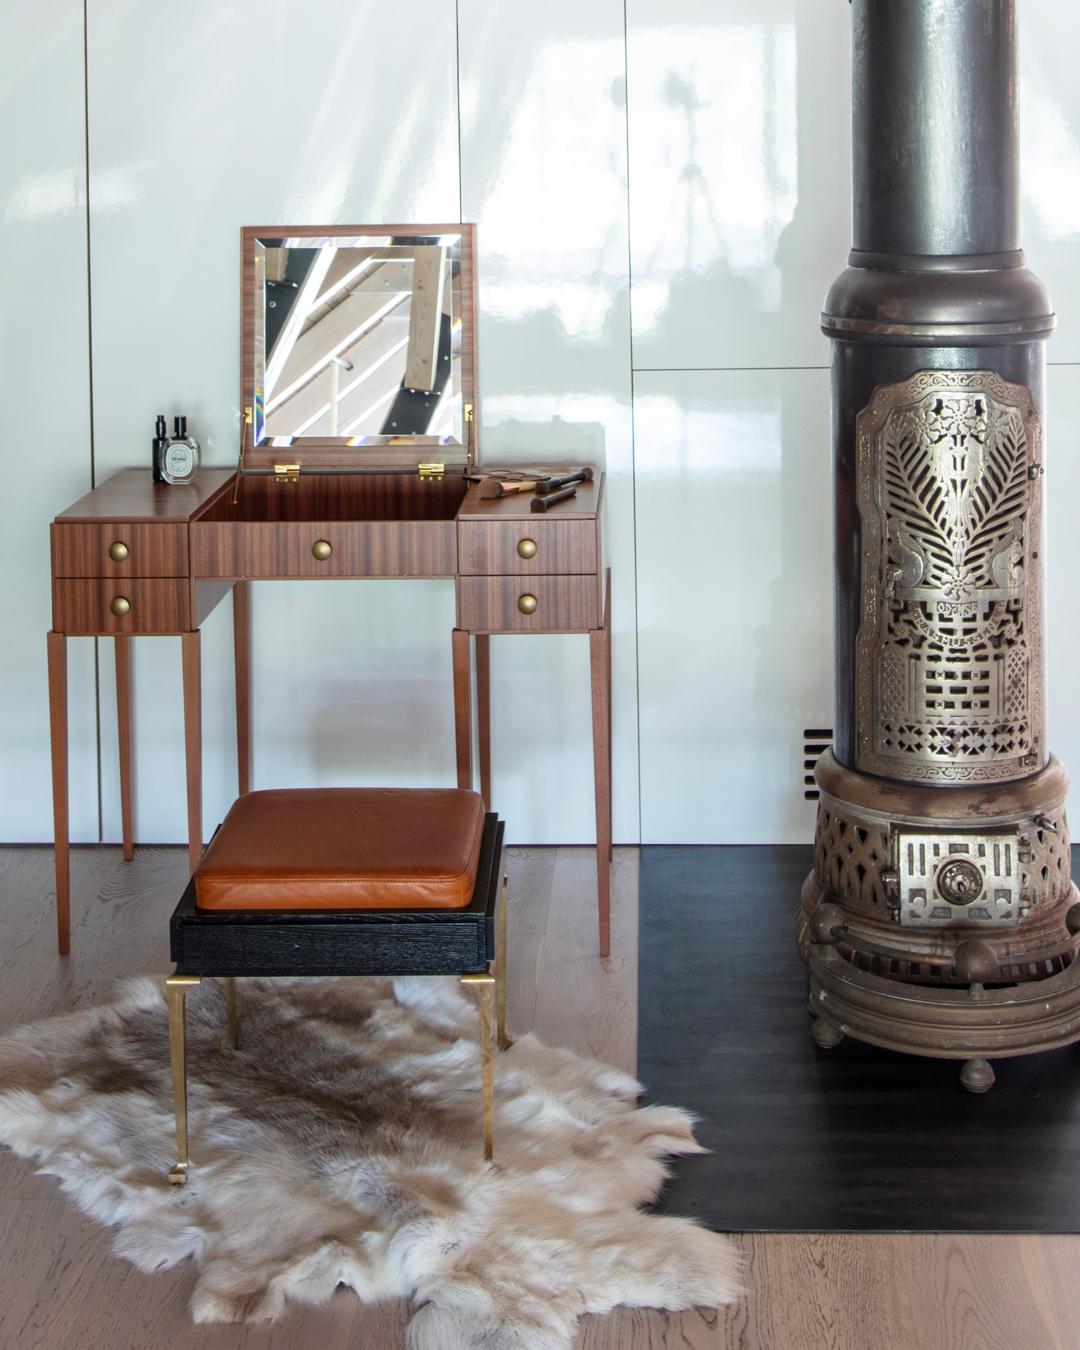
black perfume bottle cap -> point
(160, 428)
(180, 426)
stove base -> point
(974, 1024)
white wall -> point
(661, 191)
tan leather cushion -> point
(344, 848)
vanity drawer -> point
(357, 548)
(536, 547)
(562, 604)
(91, 606)
(120, 549)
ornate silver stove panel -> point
(949, 879)
(949, 653)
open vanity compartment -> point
(330, 525)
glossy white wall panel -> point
(44, 382)
(543, 143)
(740, 163)
(1049, 38)
(737, 203)
(271, 115)
(734, 600)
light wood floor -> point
(61, 1289)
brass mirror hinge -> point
(286, 473)
(431, 470)
(247, 420)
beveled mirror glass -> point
(358, 337)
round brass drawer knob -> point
(527, 604)
(321, 549)
(526, 548)
(118, 551)
(120, 606)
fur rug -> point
(341, 1145)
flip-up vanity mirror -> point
(358, 381)
(359, 340)
(358, 360)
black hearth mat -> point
(805, 1140)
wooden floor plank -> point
(62, 1289)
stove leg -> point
(977, 1075)
(826, 1034)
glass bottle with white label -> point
(181, 457)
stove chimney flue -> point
(935, 127)
(940, 917)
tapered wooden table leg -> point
(611, 740)
(58, 726)
(483, 714)
(242, 666)
(600, 669)
(462, 707)
(191, 649)
(123, 723)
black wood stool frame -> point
(227, 944)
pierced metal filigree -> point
(949, 652)
(852, 858)
(940, 877)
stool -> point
(345, 881)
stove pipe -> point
(940, 917)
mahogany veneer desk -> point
(135, 558)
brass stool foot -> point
(500, 966)
(485, 994)
(176, 987)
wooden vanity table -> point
(135, 558)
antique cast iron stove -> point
(940, 917)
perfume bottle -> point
(158, 446)
(181, 457)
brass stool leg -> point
(500, 967)
(232, 1028)
(176, 987)
(485, 993)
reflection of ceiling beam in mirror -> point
(276, 261)
(305, 413)
(379, 279)
(326, 338)
(429, 272)
(413, 410)
(309, 289)
(370, 415)
(344, 272)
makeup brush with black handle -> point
(553, 498)
(553, 484)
